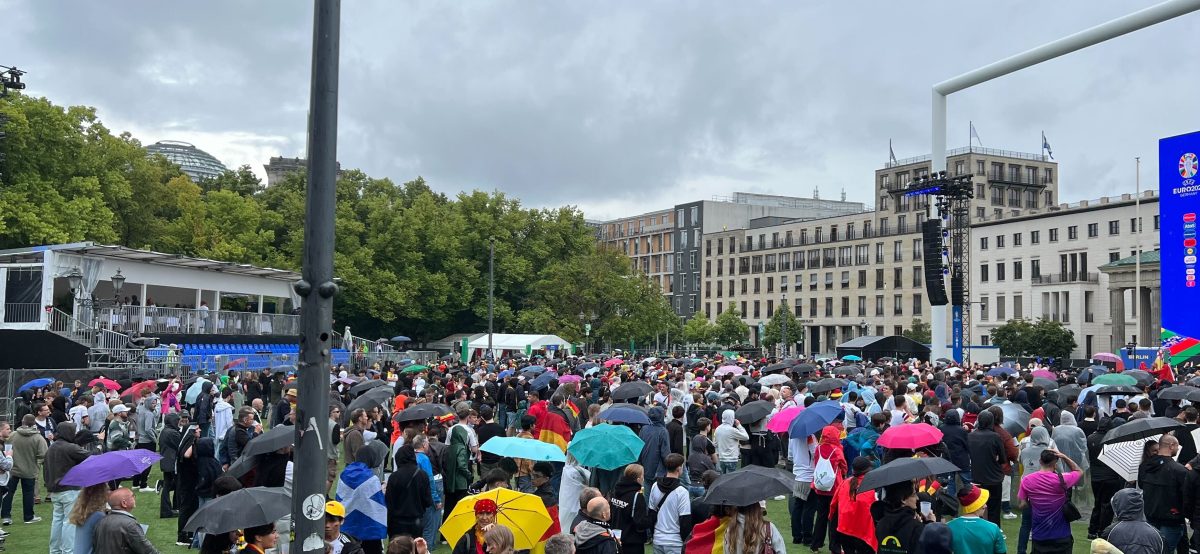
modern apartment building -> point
(649, 241)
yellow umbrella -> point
(523, 514)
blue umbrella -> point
(534, 369)
(626, 413)
(591, 370)
(504, 374)
(528, 449)
(587, 365)
(1002, 371)
(401, 338)
(814, 418)
(35, 384)
(543, 380)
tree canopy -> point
(412, 260)
(1019, 337)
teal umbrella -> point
(606, 446)
(528, 449)
(851, 358)
(1114, 379)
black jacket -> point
(63, 455)
(896, 528)
(168, 443)
(954, 437)
(675, 437)
(987, 455)
(1101, 473)
(465, 544)
(207, 466)
(1161, 479)
(631, 512)
(408, 494)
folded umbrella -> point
(523, 514)
(826, 385)
(606, 446)
(748, 485)
(774, 379)
(422, 412)
(814, 418)
(109, 466)
(910, 437)
(528, 449)
(381, 396)
(905, 469)
(625, 413)
(240, 509)
(632, 389)
(754, 412)
(780, 422)
(366, 386)
(36, 384)
(1141, 428)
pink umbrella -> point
(729, 370)
(780, 422)
(1109, 357)
(570, 379)
(1045, 374)
(910, 436)
(610, 363)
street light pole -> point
(783, 336)
(491, 289)
(316, 286)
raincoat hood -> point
(405, 456)
(699, 447)
(657, 416)
(1067, 420)
(206, 447)
(1039, 437)
(172, 420)
(985, 421)
(65, 431)
(831, 435)
(1128, 505)
(727, 417)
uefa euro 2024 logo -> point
(1188, 165)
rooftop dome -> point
(196, 163)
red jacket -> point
(831, 447)
(854, 514)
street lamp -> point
(75, 281)
(783, 334)
(862, 326)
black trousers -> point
(1056, 546)
(1102, 513)
(821, 527)
(141, 480)
(853, 545)
(168, 499)
(188, 504)
(993, 503)
(451, 501)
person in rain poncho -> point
(574, 478)
(1071, 440)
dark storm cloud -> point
(620, 106)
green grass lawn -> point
(31, 538)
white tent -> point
(520, 343)
(454, 342)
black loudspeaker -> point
(956, 289)
(935, 282)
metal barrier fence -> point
(150, 320)
(22, 313)
(12, 379)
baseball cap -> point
(335, 508)
(120, 409)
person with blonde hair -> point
(89, 508)
(498, 539)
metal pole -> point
(316, 287)
(1137, 261)
(784, 334)
(491, 289)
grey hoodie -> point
(727, 438)
(1039, 440)
(1129, 532)
(147, 421)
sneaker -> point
(7, 521)
(1009, 515)
(780, 497)
(146, 489)
(183, 544)
(35, 519)
(158, 486)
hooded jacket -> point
(831, 449)
(457, 473)
(630, 512)
(63, 456)
(207, 466)
(1039, 440)
(1160, 479)
(727, 438)
(147, 421)
(987, 452)
(591, 537)
(954, 437)
(896, 528)
(700, 456)
(168, 446)
(407, 493)
(1129, 531)
(657, 444)
(29, 449)
(1070, 440)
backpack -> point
(824, 477)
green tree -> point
(1051, 338)
(773, 330)
(698, 330)
(919, 331)
(730, 329)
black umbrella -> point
(754, 411)
(826, 385)
(375, 397)
(744, 380)
(1016, 419)
(775, 368)
(905, 469)
(422, 412)
(275, 438)
(1142, 428)
(748, 485)
(1090, 373)
(632, 389)
(1118, 389)
(366, 386)
(1144, 379)
(1065, 394)
(697, 363)
(943, 360)
(804, 368)
(1045, 383)
(848, 370)
(1180, 392)
(241, 509)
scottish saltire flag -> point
(361, 492)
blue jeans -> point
(1026, 528)
(728, 467)
(433, 520)
(62, 531)
(501, 417)
(1170, 536)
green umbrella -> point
(606, 446)
(416, 368)
(1114, 379)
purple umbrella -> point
(110, 466)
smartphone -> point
(926, 508)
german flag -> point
(708, 537)
(550, 425)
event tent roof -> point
(502, 341)
(874, 347)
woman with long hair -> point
(749, 530)
(851, 508)
(498, 539)
(89, 508)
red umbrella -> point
(136, 389)
(235, 363)
(910, 436)
(106, 383)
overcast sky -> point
(620, 107)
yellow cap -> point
(335, 508)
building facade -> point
(279, 168)
(649, 241)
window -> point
(983, 308)
(797, 260)
(1156, 223)
(898, 304)
(1113, 256)
(721, 248)
(757, 289)
(1133, 225)
(679, 218)
(828, 307)
(979, 189)
(1000, 308)
(879, 252)
(695, 215)
(862, 278)
(812, 307)
(812, 282)
(959, 167)
(845, 306)
(917, 250)
(898, 278)
(879, 304)
(1093, 230)
(978, 171)
(829, 257)
(1035, 269)
(683, 240)
(862, 254)
(999, 241)
(744, 289)
(720, 292)
(1017, 270)
(1016, 239)
(1114, 227)
(879, 279)
(1072, 232)
(916, 277)
(983, 273)
(708, 248)
(708, 289)
(757, 313)
(862, 306)
(916, 310)
(708, 267)
(770, 263)
(1000, 271)
(983, 243)
(828, 280)
(770, 285)
(733, 245)
(1017, 307)
(1035, 237)
(770, 307)
(845, 279)
(898, 251)
(1054, 235)
(845, 256)
(692, 260)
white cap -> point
(120, 409)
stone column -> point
(1146, 332)
(1155, 318)
(1116, 310)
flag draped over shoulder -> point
(708, 537)
(1162, 369)
(361, 492)
(550, 424)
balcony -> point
(1006, 178)
(1079, 277)
(152, 320)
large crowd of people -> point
(406, 465)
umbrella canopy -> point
(780, 422)
(1117, 389)
(234, 363)
(1180, 392)
(613, 362)
(569, 379)
(625, 413)
(814, 418)
(1107, 357)
(848, 370)
(1115, 379)
(905, 469)
(586, 365)
(1044, 374)
(1066, 394)
(1016, 419)
(753, 412)
(137, 388)
(415, 368)
(240, 509)
(851, 358)
(1125, 457)
(776, 368)
(911, 437)
(504, 374)
(748, 485)
(804, 369)
(606, 446)
(401, 338)
(729, 370)
(1046, 384)
(109, 466)
(1143, 378)
(542, 381)
(106, 383)
(381, 396)
(534, 369)
(194, 391)
(35, 384)
(1141, 428)
(523, 514)
(826, 385)
(277, 437)
(772, 380)
(421, 412)
(1002, 371)
(366, 386)
(528, 449)
(1090, 373)
(632, 389)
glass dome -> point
(196, 163)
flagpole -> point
(1137, 241)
